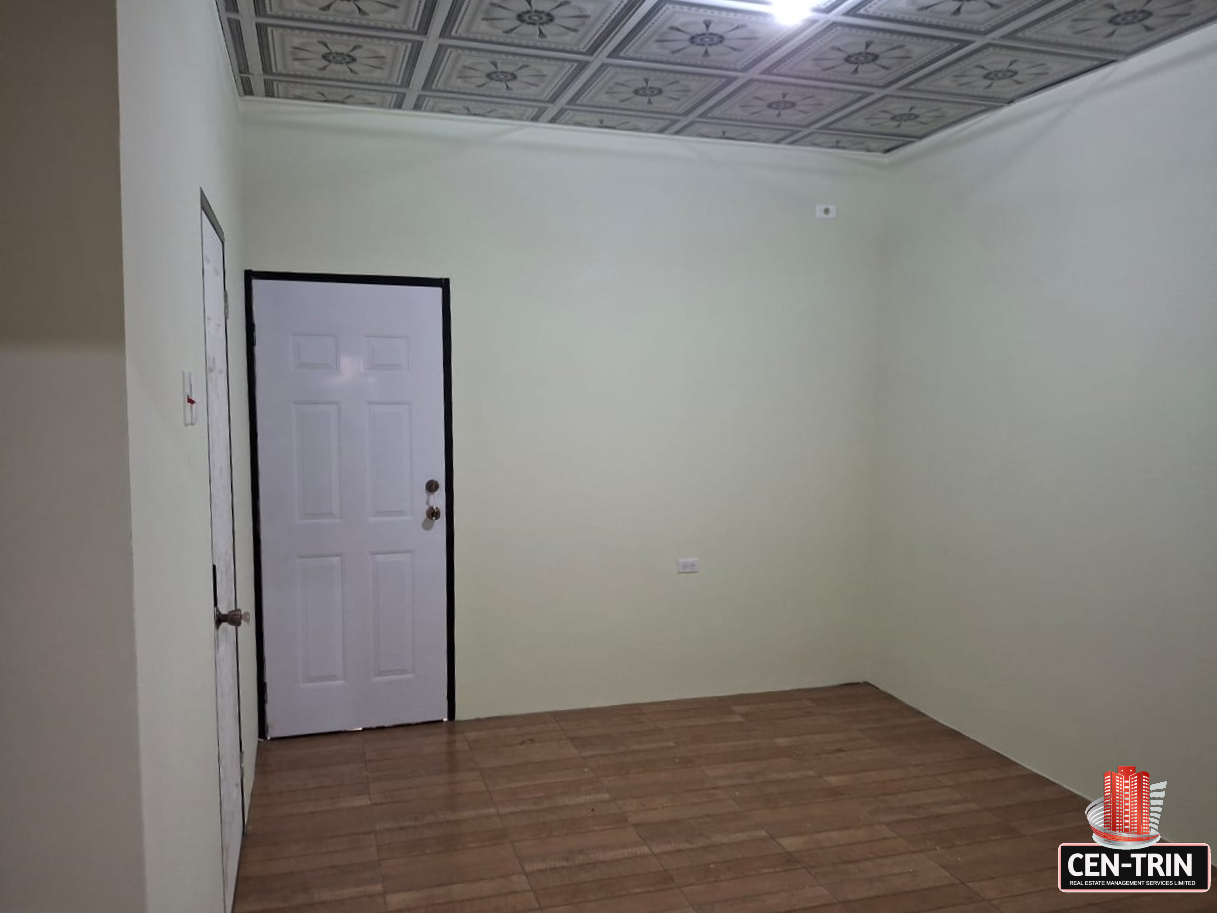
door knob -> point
(235, 618)
(432, 487)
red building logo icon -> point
(1128, 814)
(1126, 800)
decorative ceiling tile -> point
(634, 123)
(508, 76)
(333, 56)
(907, 117)
(861, 56)
(234, 38)
(1119, 26)
(781, 104)
(648, 91)
(403, 15)
(707, 130)
(337, 95)
(845, 143)
(1004, 73)
(859, 75)
(702, 36)
(578, 26)
(978, 16)
(476, 107)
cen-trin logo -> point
(1125, 824)
(1174, 867)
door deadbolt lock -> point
(433, 512)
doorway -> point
(350, 398)
(223, 551)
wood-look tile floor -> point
(839, 800)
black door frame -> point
(250, 340)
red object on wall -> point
(1126, 800)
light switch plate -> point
(687, 566)
(190, 405)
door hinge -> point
(225, 305)
(215, 589)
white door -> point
(350, 422)
(224, 576)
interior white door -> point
(350, 423)
(224, 574)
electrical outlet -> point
(826, 210)
(687, 566)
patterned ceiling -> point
(857, 75)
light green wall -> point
(658, 352)
(1048, 447)
(179, 137)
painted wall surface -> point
(658, 352)
(70, 829)
(178, 107)
(1048, 443)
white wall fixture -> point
(190, 404)
(687, 565)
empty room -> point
(609, 456)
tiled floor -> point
(839, 800)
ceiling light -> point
(790, 12)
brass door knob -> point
(433, 512)
(235, 618)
